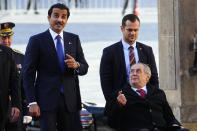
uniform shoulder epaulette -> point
(17, 51)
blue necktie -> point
(60, 54)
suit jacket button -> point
(154, 124)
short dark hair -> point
(59, 6)
(130, 17)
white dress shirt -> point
(135, 89)
(54, 34)
(126, 56)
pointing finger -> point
(69, 56)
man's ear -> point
(122, 28)
(48, 17)
(148, 77)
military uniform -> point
(18, 126)
(8, 83)
(6, 32)
(19, 57)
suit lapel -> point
(130, 92)
(140, 52)
(51, 45)
(67, 44)
(51, 48)
(150, 90)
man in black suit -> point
(8, 86)
(115, 61)
(6, 39)
(141, 106)
(53, 61)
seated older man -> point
(142, 107)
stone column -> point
(177, 27)
(169, 52)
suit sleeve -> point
(14, 84)
(29, 69)
(114, 114)
(80, 58)
(106, 75)
(168, 114)
(154, 80)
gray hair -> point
(146, 68)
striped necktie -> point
(131, 56)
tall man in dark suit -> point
(53, 61)
(115, 61)
(8, 86)
(141, 106)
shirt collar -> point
(54, 34)
(126, 45)
(135, 89)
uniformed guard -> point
(6, 33)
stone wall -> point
(187, 31)
(177, 27)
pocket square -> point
(19, 66)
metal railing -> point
(45, 4)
